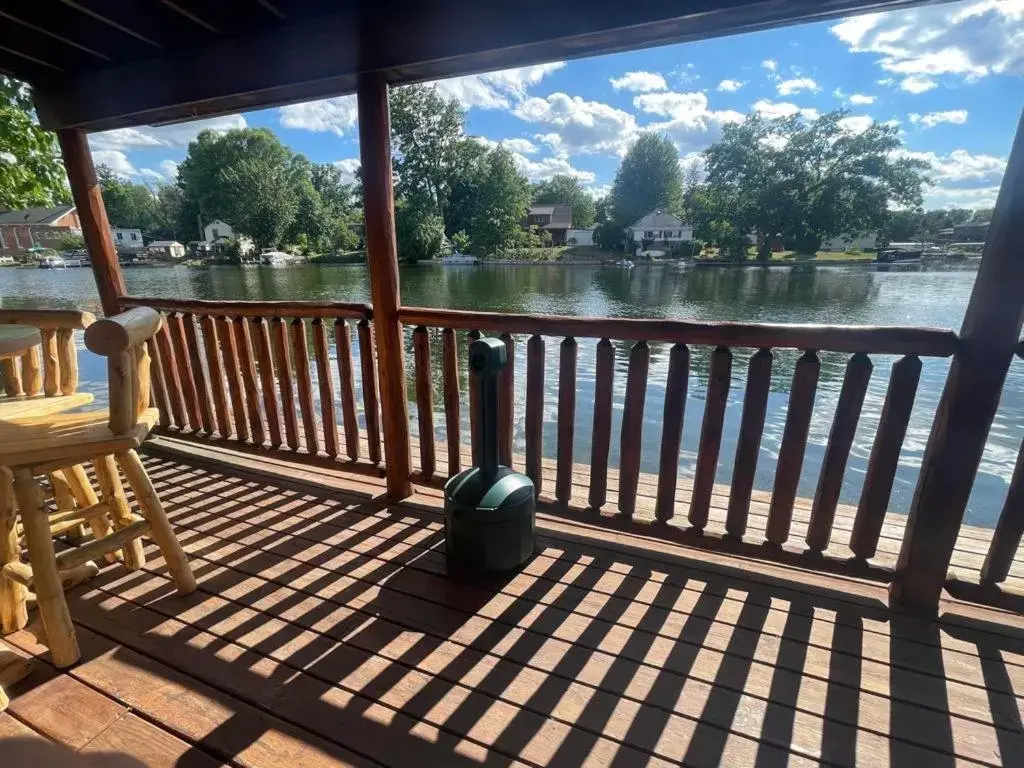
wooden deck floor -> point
(326, 632)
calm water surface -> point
(817, 295)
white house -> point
(171, 248)
(580, 237)
(217, 229)
(126, 238)
(660, 227)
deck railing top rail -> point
(886, 340)
(285, 309)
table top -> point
(15, 339)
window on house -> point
(120, 235)
(216, 233)
(649, 235)
(134, 237)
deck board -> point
(326, 631)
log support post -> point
(988, 338)
(88, 197)
(382, 257)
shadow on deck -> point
(326, 632)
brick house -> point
(21, 230)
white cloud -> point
(176, 135)
(960, 166)
(731, 86)
(348, 168)
(770, 64)
(691, 124)
(861, 99)
(642, 82)
(886, 81)
(495, 90)
(969, 40)
(856, 123)
(597, 191)
(578, 126)
(167, 174)
(539, 170)
(522, 146)
(915, 84)
(946, 197)
(114, 159)
(337, 115)
(931, 119)
(797, 85)
(777, 109)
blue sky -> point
(949, 75)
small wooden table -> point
(16, 339)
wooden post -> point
(988, 338)
(93, 215)
(382, 258)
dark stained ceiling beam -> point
(49, 33)
(321, 57)
(190, 16)
(110, 22)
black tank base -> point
(488, 522)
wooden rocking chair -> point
(39, 445)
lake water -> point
(856, 295)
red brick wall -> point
(17, 238)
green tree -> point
(31, 172)
(567, 189)
(336, 196)
(805, 181)
(129, 205)
(500, 203)
(70, 242)
(263, 202)
(648, 179)
(419, 231)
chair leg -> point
(13, 594)
(113, 495)
(86, 497)
(65, 502)
(159, 528)
(53, 608)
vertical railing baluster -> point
(170, 370)
(1007, 535)
(188, 323)
(474, 406)
(68, 357)
(710, 436)
(794, 445)
(371, 401)
(748, 445)
(229, 353)
(31, 371)
(211, 345)
(885, 456)
(304, 385)
(347, 383)
(535, 410)
(51, 363)
(264, 361)
(507, 402)
(183, 363)
(567, 354)
(328, 413)
(453, 426)
(283, 363)
(156, 376)
(631, 438)
(676, 386)
(424, 399)
(247, 364)
(11, 367)
(601, 437)
(840, 443)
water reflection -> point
(811, 295)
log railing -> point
(50, 368)
(263, 373)
(606, 490)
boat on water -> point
(52, 261)
(625, 263)
(900, 253)
(272, 258)
(456, 259)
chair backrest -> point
(122, 340)
(52, 366)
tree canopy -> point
(648, 179)
(804, 181)
(31, 172)
(567, 189)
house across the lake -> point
(660, 228)
(36, 227)
(555, 218)
(167, 248)
(126, 238)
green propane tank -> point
(489, 508)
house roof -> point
(561, 215)
(35, 215)
(120, 63)
(658, 219)
(164, 243)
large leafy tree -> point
(566, 189)
(805, 181)
(128, 205)
(264, 202)
(31, 173)
(500, 202)
(648, 179)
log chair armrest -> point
(48, 319)
(119, 333)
